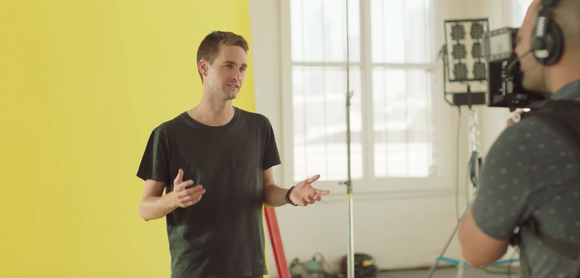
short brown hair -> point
(210, 46)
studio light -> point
(464, 61)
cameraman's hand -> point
(510, 122)
(514, 119)
(181, 197)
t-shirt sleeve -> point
(155, 162)
(504, 185)
(271, 154)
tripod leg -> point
(432, 270)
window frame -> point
(446, 135)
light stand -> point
(348, 182)
(470, 71)
(474, 174)
(467, 70)
(350, 258)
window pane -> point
(318, 29)
(403, 123)
(319, 105)
(400, 31)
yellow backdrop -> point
(82, 84)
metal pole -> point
(350, 264)
(350, 200)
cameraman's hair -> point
(210, 46)
(567, 15)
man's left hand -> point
(304, 194)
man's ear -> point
(203, 67)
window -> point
(318, 38)
(394, 124)
(519, 9)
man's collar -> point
(570, 91)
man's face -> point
(533, 77)
(226, 75)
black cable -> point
(510, 264)
(443, 56)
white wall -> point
(399, 229)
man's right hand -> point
(181, 196)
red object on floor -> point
(276, 240)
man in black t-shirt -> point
(215, 164)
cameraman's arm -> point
(486, 229)
(478, 248)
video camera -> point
(504, 76)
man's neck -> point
(212, 112)
(564, 74)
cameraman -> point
(530, 173)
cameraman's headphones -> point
(547, 39)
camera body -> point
(504, 76)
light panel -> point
(463, 46)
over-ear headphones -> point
(547, 38)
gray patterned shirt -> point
(531, 171)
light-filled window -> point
(394, 129)
(519, 9)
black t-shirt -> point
(222, 235)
